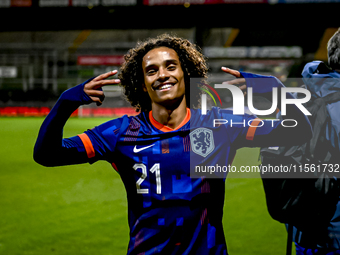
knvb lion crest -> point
(202, 141)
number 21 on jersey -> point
(155, 169)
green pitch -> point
(82, 209)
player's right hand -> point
(94, 87)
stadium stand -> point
(39, 59)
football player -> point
(154, 152)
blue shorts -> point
(303, 251)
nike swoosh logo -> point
(135, 150)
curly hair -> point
(333, 48)
(131, 74)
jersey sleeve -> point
(293, 129)
(259, 132)
(50, 148)
(250, 131)
(99, 143)
(242, 129)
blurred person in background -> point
(322, 80)
(168, 211)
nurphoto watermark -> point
(228, 110)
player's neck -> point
(171, 118)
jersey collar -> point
(163, 128)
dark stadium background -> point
(41, 41)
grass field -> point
(82, 209)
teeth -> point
(165, 86)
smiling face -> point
(164, 77)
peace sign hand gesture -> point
(94, 87)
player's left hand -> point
(239, 81)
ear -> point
(144, 88)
